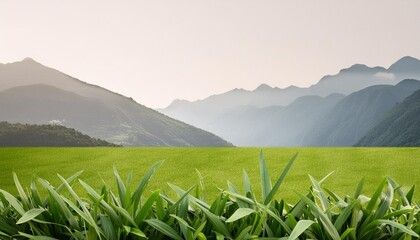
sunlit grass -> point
(217, 165)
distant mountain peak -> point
(356, 68)
(263, 87)
(28, 59)
(406, 63)
(408, 83)
(291, 87)
(179, 102)
(408, 59)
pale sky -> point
(157, 51)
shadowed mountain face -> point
(357, 113)
(230, 113)
(33, 93)
(398, 127)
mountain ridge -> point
(357, 113)
(133, 122)
(359, 68)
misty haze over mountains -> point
(339, 110)
(320, 115)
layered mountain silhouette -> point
(264, 116)
(398, 127)
(33, 93)
(356, 114)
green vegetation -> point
(45, 135)
(217, 165)
(388, 212)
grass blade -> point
(121, 188)
(265, 177)
(247, 183)
(240, 213)
(376, 196)
(36, 237)
(301, 227)
(145, 180)
(145, 209)
(218, 225)
(29, 215)
(22, 194)
(399, 226)
(276, 187)
(164, 228)
(324, 201)
(322, 217)
(344, 215)
(13, 201)
(359, 188)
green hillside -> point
(399, 127)
(45, 135)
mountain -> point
(398, 127)
(33, 93)
(202, 113)
(357, 113)
(22, 135)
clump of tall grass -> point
(62, 213)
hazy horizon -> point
(159, 51)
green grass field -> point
(217, 165)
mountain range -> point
(351, 118)
(33, 93)
(356, 106)
(320, 115)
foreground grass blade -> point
(22, 194)
(13, 201)
(276, 187)
(164, 228)
(240, 213)
(359, 188)
(218, 225)
(265, 177)
(29, 215)
(329, 227)
(376, 196)
(36, 237)
(324, 201)
(399, 226)
(145, 180)
(300, 227)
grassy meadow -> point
(217, 165)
